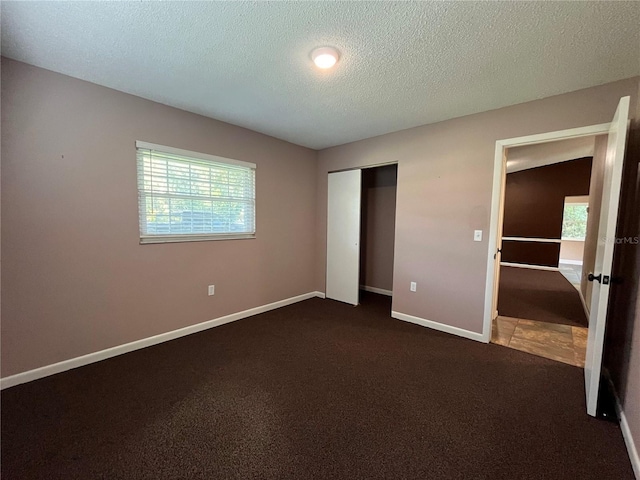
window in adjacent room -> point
(188, 196)
(574, 219)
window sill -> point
(144, 240)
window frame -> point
(146, 239)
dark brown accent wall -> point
(533, 207)
(531, 253)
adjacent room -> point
(551, 207)
(292, 240)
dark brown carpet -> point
(539, 295)
(316, 390)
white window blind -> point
(188, 196)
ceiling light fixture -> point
(325, 57)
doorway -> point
(575, 219)
(377, 234)
(541, 309)
(361, 213)
(600, 276)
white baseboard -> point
(628, 440)
(570, 262)
(381, 291)
(624, 428)
(65, 365)
(460, 332)
(526, 265)
(584, 305)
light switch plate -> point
(477, 235)
(413, 286)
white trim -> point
(499, 170)
(628, 439)
(365, 167)
(189, 237)
(577, 199)
(532, 239)
(526, 265)
(600, 129)
(629, 442)
(65, 365)
(584, 303)
(194, 155)
(570, 262)
(460, 332)
(378, 165)
(380, 291)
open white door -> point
(601, 277)
(343, 236)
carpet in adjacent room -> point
(545, 296)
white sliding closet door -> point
(343, 236)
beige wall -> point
(542, 154)
(593, 218)
(572, 250)
(444, 193)
(75, 280)
(378, 226)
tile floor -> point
(571, 272)
(562, 343)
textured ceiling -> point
(403, 63)
(539, 155)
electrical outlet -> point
(212, 289)
(477, 235)
(413, 286)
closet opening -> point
(377, 235)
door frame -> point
(497, 205)
(364, 167)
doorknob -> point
(604, 280)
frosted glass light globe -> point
(325, 57)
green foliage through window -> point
(184, 196)
(574, 221)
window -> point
(188, 196)
(574, 219)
